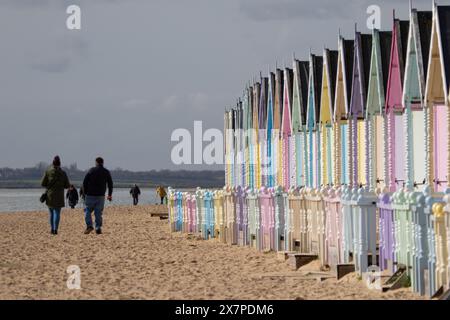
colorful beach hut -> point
(330, 59)
(299, 104)
(438, 144)
(312, 120)
(286, 131)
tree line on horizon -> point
(30, 177)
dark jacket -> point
(72, 196)
(55, 180)
(135, 192)
(96, 180)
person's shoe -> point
(52, 232)
(98, 231)
(88, 230)
(55, 232)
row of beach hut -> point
(345, 156)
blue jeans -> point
(55, 214)
(96, 204)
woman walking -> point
(55, 180)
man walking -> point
(135, 192)
(94, 188)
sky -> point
(139, 69)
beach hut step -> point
(344, 269)
(397, 280)
(159, 214)
(297, 260)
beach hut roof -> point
(263, 102)
(303, 81)
(316, 69)
(287, 112)
(443, 13)
(349, 51)
(366, 52)
(385, 52)
(425, 24)
(332, 56)
(394, 89)
(361, 73)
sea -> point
(13, 200)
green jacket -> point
(55, 180)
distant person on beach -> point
(94, 188)
(55, 180)
(82, 195)
(72, 196)
(161, 193)
(135, 192)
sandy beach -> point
(137, 257)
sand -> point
(137, 257)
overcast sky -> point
(138, 69)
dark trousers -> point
(162, 200)
(135, 200)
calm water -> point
(28, 199)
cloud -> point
(135, 103)
(57, 56)
(266, 10)
(198, 101)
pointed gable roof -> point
(376, 90)
(256, 97)
(330, 61)
(361, 73)
(263, 103)
(416, 63)
(287, 100)
(300, 89)
(394, 91)
(270, 103)
(343, 78)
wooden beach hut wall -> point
(286, 130)
(341, 109)
(376, 93)
(438, 143)
(330, 58)
(277, 118)
(256, 142)
(262, 129)
(269, 133)
(312, 120)
(299, 104)
(394, 106)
